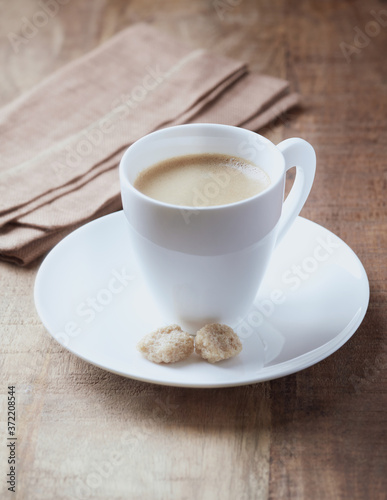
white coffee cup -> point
(205, 264)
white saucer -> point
(91, 298)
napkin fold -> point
(62, 141)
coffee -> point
(202, 180)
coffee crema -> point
(202, 180)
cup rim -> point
(125, 182)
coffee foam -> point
(202, 180)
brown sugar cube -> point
(216, 342)
(166, 345)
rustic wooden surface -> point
(317, 434)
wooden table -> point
(318, 434)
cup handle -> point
(300, 154)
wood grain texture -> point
(320, 433)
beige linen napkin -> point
(62, 141)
